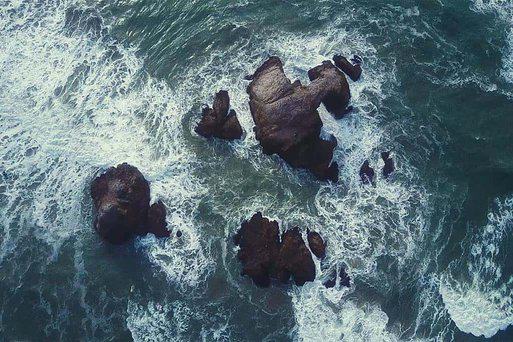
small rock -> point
(317, 245)
(354, 71)
(367, 173)
(389, 166)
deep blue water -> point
(89, 84)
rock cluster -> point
(220, 121)
(121, 198)
(264, 256)
(286, 119)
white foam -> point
(75, 104)
(321, 315)
(482, 304)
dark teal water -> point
(85, 85)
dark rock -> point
(317, 245)
(389, 164)
(337, 94)
(121, 198)
(178, 233)
(220, 121)
(157, 220)
(367, 173)
(259, 243)
(294, 259)
(286, 119)
(344, 279)
(354, 71)
(265, 257)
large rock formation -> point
(219, 121)
(265, 257)
(121, 198)
(286, 119)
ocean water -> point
(85, 85)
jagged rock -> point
(354, 71)
(121, 198)
(265, 257)
(219, 121)
(286, 119)
(367, 173)
(157, 220)
(317, 244)
(294, 259)
(389, 166)
(259, 244)
(337, 94)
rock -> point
(344, 279)
(157, 220)
(264, 257)
(178, 233)
(219, 121)
(389, 164)
(367, 173)
(333, 80)
(354, 71)
(286, 119)
(259, 244)
(294, 259)
(317, 245)
(121, 198)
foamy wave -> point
(72, 105)
(323, 316)
(482, 305)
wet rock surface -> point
(389, 166)
(286, 119)
(317, 244)
(265, 257)
(219, 121)
(121, 198)
(354, 71)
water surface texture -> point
(85, 85)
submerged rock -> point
(389, 166)
(344, 279)
(121, 198)
(219, 121)
(354, 71)
(265, 257)
(286, 119)
(367, 173)
(317, 244)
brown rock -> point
(286, 119)
(317, 245)
(121, 198)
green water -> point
(428, 251)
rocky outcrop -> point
(286, 119)
(121, 198)
(265, 257)
(367, 173)
(317, 244)
(354, 71)
(389, 166)
(219, 121)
